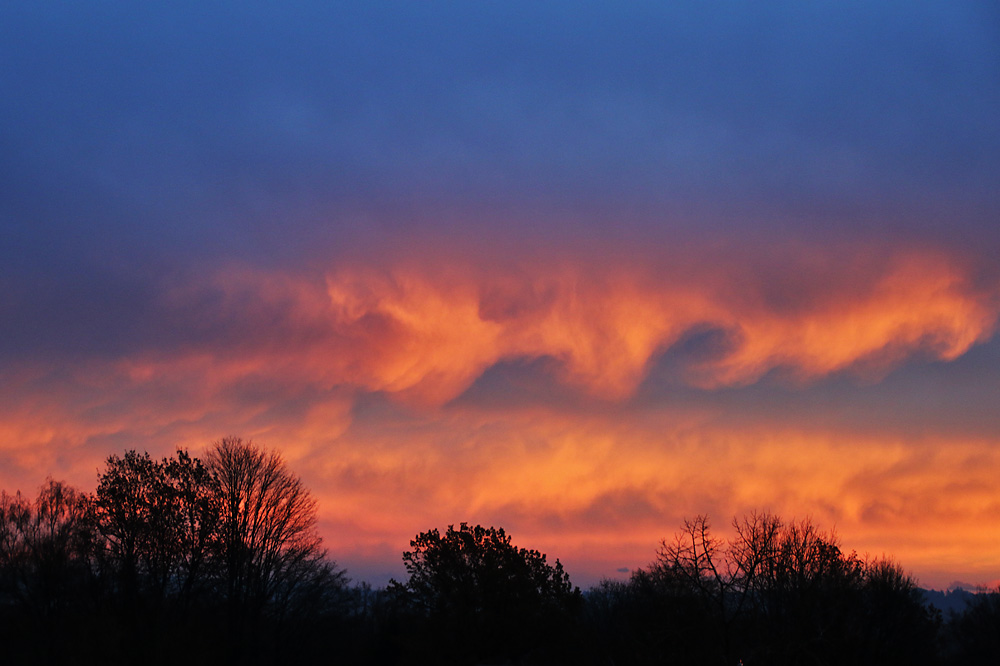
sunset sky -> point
(577, 269)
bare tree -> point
(271, 554)
(785, 593)
(699, 565)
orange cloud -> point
(600, 493)
(431, 334)
(354, 373)
(425, 332)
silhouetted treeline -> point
(776, 594)
(168, 561)
(218, 561)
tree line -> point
(219, 561)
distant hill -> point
(948, 600)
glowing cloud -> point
(358, 374)
(432, 335)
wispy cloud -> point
(370, 376)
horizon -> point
(380, 575)
(576, 270)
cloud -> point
(428, 331)
(597, 491)
(269, 132)
(435, 334)
(587, 406)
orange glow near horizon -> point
(593, 491)
(361, 376)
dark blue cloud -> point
(139, 139)
(213, 124)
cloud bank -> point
(574, 399)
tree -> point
(489, 598)
(45, 572)
(974, 633)
(270, 553)
(159, 520)
(787, 594)
(58, 538)
(697, 574)
(143, 570)
(643, 622)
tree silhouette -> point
(787, 594)
(974, 633)
(270, 554)
(489, 598)
(173, 561)
(150, 568)
(45, 572)
(159, 520)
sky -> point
(576, 269)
